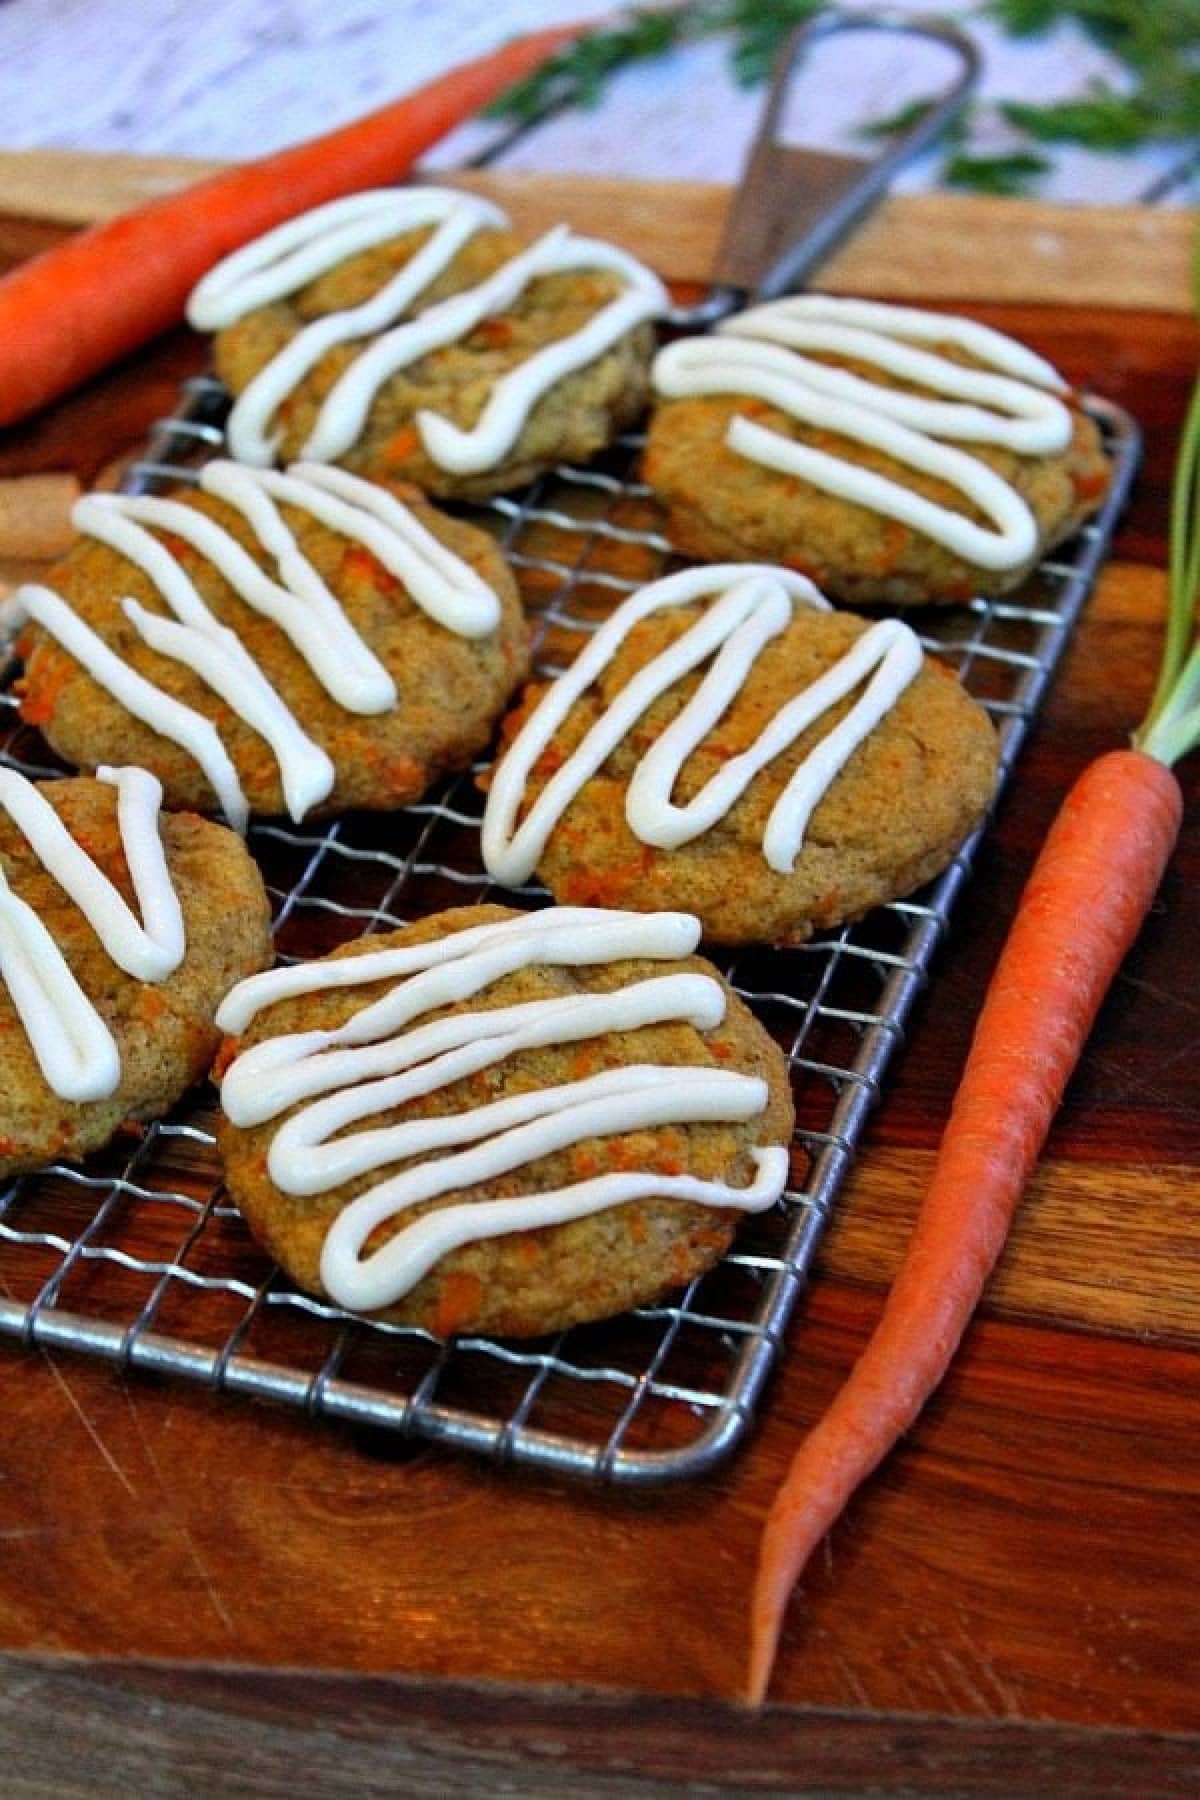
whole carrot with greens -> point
(76, 308)
(1081, 910)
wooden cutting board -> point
(1015, 1585)
(975, 248)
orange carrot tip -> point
(1083, 906)
(1089, 891)
(75, 309)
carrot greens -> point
(1172, 726)
(1156, 98)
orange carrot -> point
(1089, 891)
(1081, 910)
(77, 308)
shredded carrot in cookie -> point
(458, 1302)
(404, 444)
(358, 564)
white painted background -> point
(233, 78)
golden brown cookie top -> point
(408, 332)
(896, 455)
(295, 642)
(515, 1122)
(727, 744)
(123, 995)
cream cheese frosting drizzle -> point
(182, 724)
(385, 1056)
(73, 1046)
(754, 605)
(1013, 403)
(439, 582)
(299, 602)
(301, 249)
(295, 254)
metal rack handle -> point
(793, 205)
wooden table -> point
(200, 1595)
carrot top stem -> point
(1172, 726)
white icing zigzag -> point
(296, 253)
(385, 1057)
(759, 352)
(297, 600)
(74, 1048)
(755, 604)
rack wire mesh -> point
(138, 1257)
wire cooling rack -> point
(138, 1257)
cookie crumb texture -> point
(531, 1282)
(891, 820)
(451, 689)
(164, 1031)
(722, 506)
(579, 416)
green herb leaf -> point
(1172, 726)
(1143, 33)
(1025, 18)
(1105, 121)
(581, 70)
(906, 118)
(1171, 95)
(895, 124)
(1010, 174)
(760, 29)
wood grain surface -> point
(199, 1595)
(953, 244)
